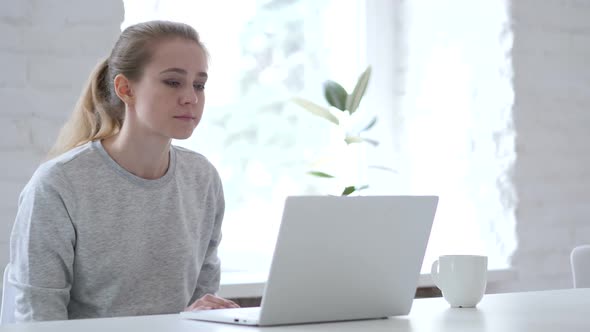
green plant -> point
(343, 106)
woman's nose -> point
(190, 97)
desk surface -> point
(559, 310)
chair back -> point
(580, 262)
(8, 300)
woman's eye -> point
(172, 83)
(199, 86)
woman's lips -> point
(185, 117)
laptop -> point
(340, 258)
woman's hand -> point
(209, 302)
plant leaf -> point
(383, 168)
(350, 189)
(366, 186)
(358, 139)
(320, 174)
(371, 141)
(335, 95)
(316, 109)
(370, 125)
(354, 99)
(353, 139)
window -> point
(441, 91)
(455, 131)
(263, 53)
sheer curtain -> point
(453, 122)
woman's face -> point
(168, 99)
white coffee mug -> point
(461, 278)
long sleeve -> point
(209, 277)
(42, 250)
(92, 240)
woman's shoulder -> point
(188, 153)
(187, 156)
(54, 169)
(195, 163)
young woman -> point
(120, 222)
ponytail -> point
(97, 115)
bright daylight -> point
(333, 165)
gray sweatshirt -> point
(93, 240)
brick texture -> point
(552, 171)
(47, 50)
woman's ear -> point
(123, 89)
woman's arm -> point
(208, 281)
(42, 249)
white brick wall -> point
(552, 119)
(47, 50)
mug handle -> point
(434, 273)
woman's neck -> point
(147, 158)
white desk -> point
(559, 310)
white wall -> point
(47, 49)
(552, 119)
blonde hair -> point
(99, 112)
